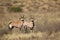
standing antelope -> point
(17, 23)
(29, 24)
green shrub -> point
(15, 9)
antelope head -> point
(32, 18)
(22, 18)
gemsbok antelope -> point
(16, 24)
(29, 24)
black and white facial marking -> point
(22, 18)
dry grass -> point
(32, 36)
(46, 15)
(46, 27)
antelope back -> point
(17, 23)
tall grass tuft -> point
(15, 9)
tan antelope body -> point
(29, 24)
(21, 23)
(16, 24)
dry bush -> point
(15, 9)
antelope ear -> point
(31, 17)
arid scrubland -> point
(46, 15)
